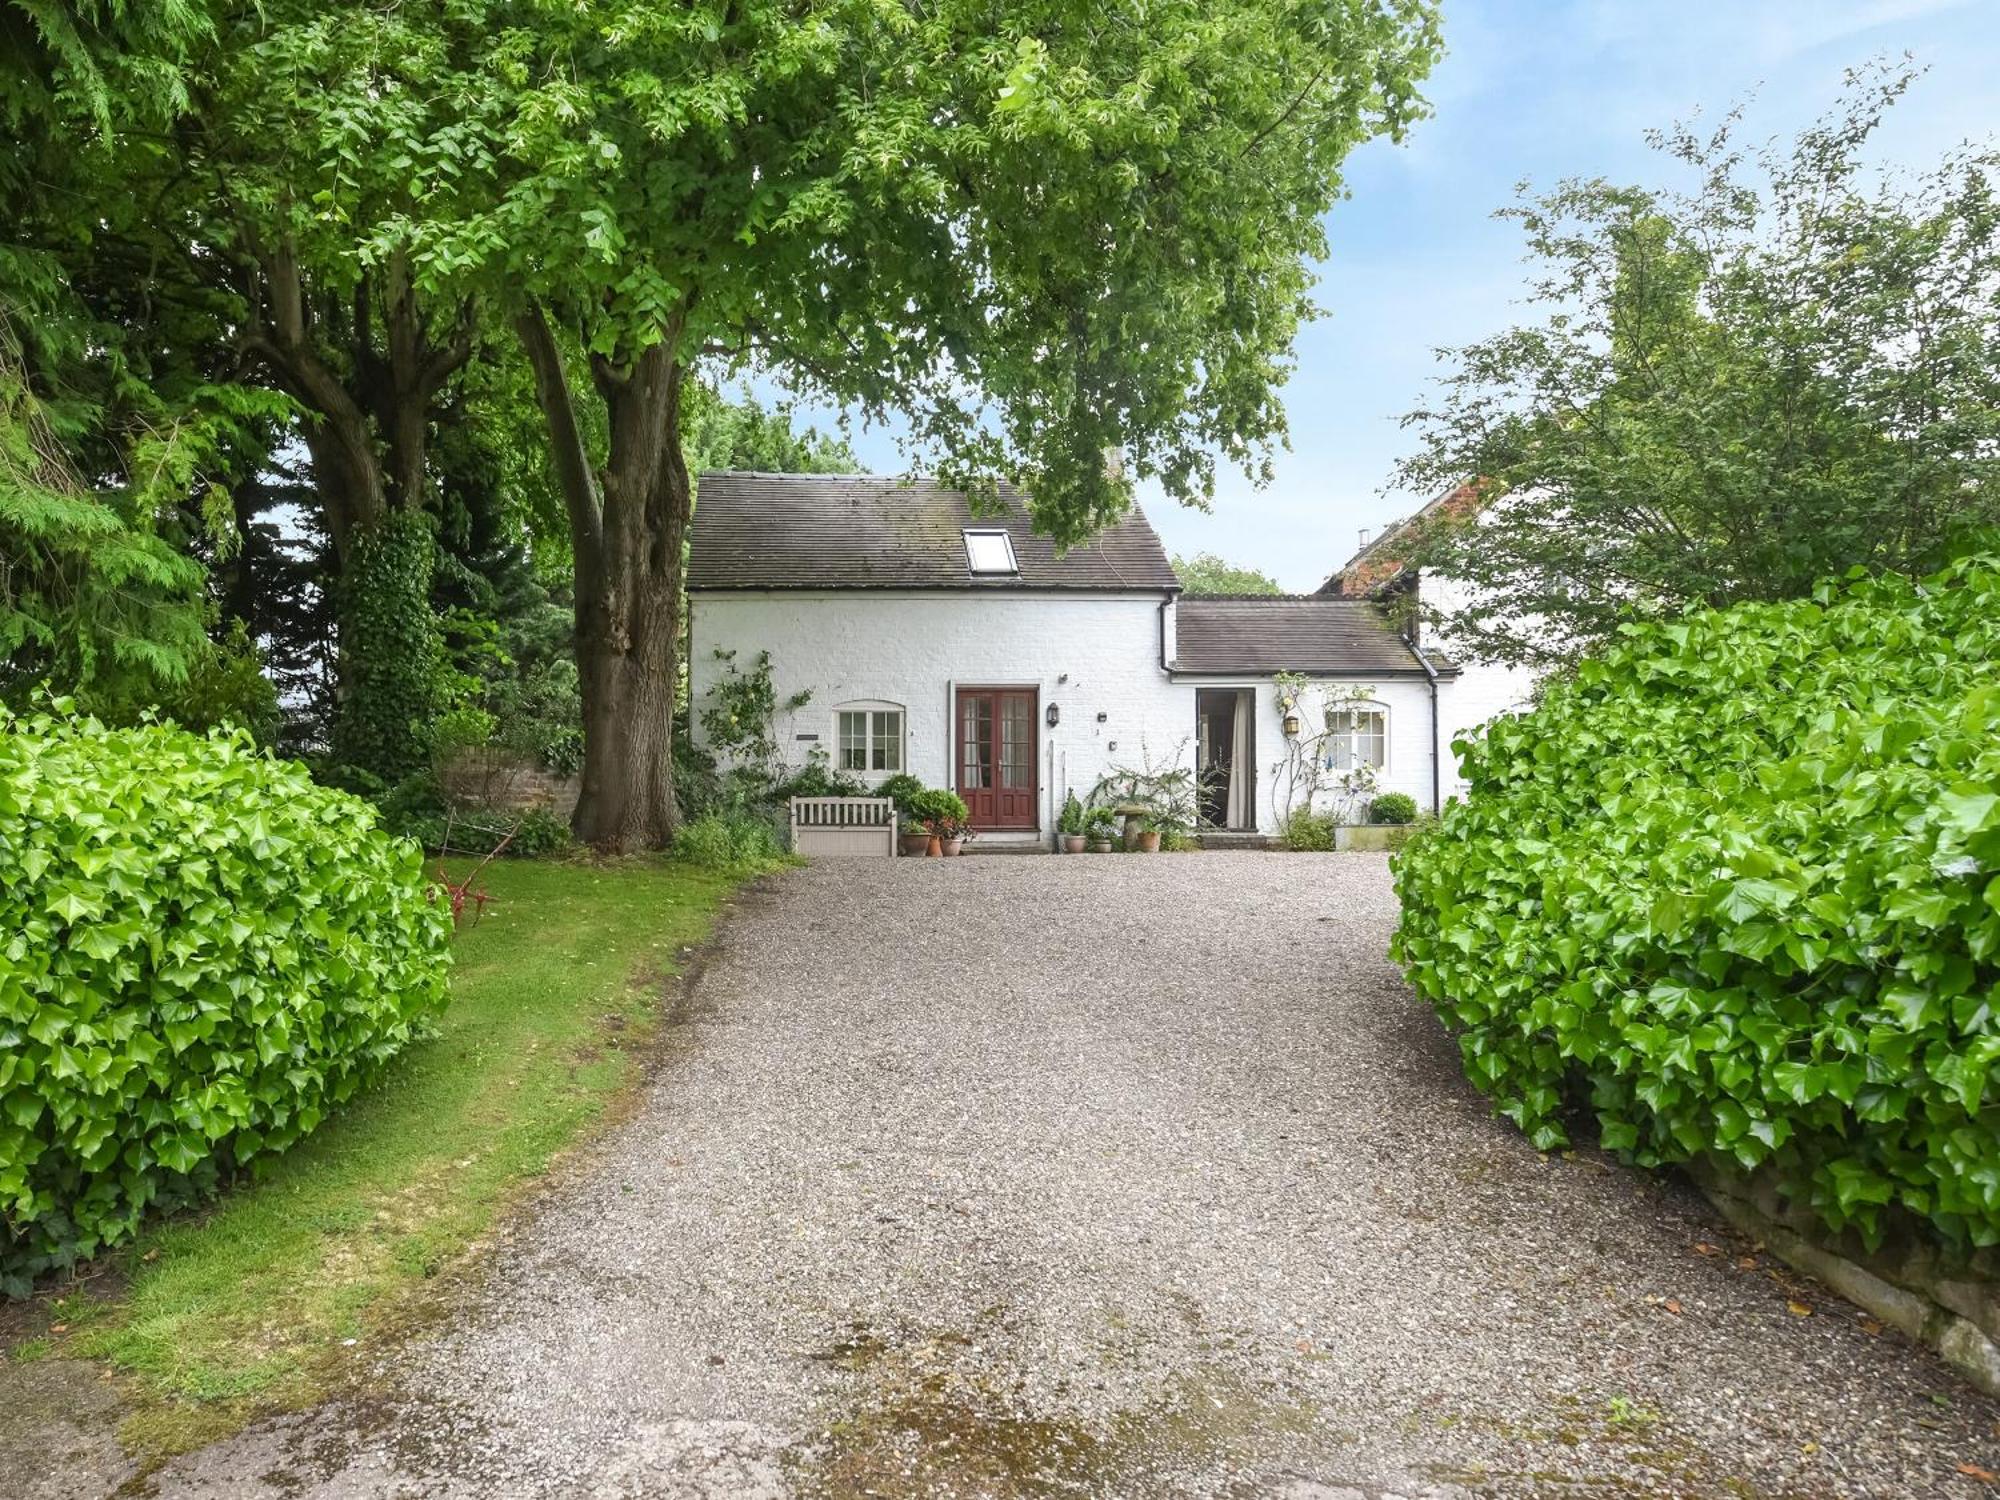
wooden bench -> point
(843, 826)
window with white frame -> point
(989, 550)
(869, 737)
(1357, 735)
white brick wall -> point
(1097, 657)
(1482, 691)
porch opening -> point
(1225, 721)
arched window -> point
(1357, 735)
(868, 738)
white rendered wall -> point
(1284, 781)
(1089, 655)
(1483, 690)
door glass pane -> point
(976, 743)
(1017, 742)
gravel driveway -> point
(1132, 1176)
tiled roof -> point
(1313, 634)
(850, 531)
(1381, 562)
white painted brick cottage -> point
(960, 647)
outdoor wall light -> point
(1054, 715)
(1291, 726)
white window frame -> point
(873, 738)
(999, 533)
(1347, 739)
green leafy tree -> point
(1037, 234)
(1205, 573)
(1789, 370)
(98, 451)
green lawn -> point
(250, 1304)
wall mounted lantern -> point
(1054, 715)
(1291, 726)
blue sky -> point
(1536, 89)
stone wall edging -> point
(1952, 1308)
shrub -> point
(817, 778)
(932, 805)
(1071, 819)
(728, 841)
(206, 953)
(1308, 832)
(900, 789)
(1393, 807)
(1734, 884)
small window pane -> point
(990, 552)
(854, 742)
(1357, 737)
(887, 751)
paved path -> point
(1129, 1176)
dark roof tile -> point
(854, 531)
(1313, 634)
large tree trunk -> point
(627, 526)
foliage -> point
(1205, 573)
(817, 778)
(1739, 879)
(416, 808)
(698, 786)
(1099, 823)
(728, 841)
(1308, 775)
(1392, 807)
(392, 652)
(1167, 790)
(553, 997)
(1308, 832)
(742, 433)
(225, 687)
(1070, 819)
(1737, 390)
(737, 719)
(939, 811)
(208, 954)
(899, 789)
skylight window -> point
(990, 552)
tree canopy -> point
(1790, 370)
(435, 276)
(1205, 573)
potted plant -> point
(904, 790)
(952, 833)
(1099, 826)
(939, 814)
(1069, 825)
(1149, 834)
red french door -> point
(996, 756)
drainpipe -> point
(1437, 759)
(1164, 603)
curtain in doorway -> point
(1241, 814)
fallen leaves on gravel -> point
(1984, 1476)
(1798, 1309)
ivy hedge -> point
(1733, 886)
(202, 954)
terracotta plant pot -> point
(1100, 846)
(933, 846)
(953, 846)
(1072, 843)
(1149, 841)
(914, 844)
